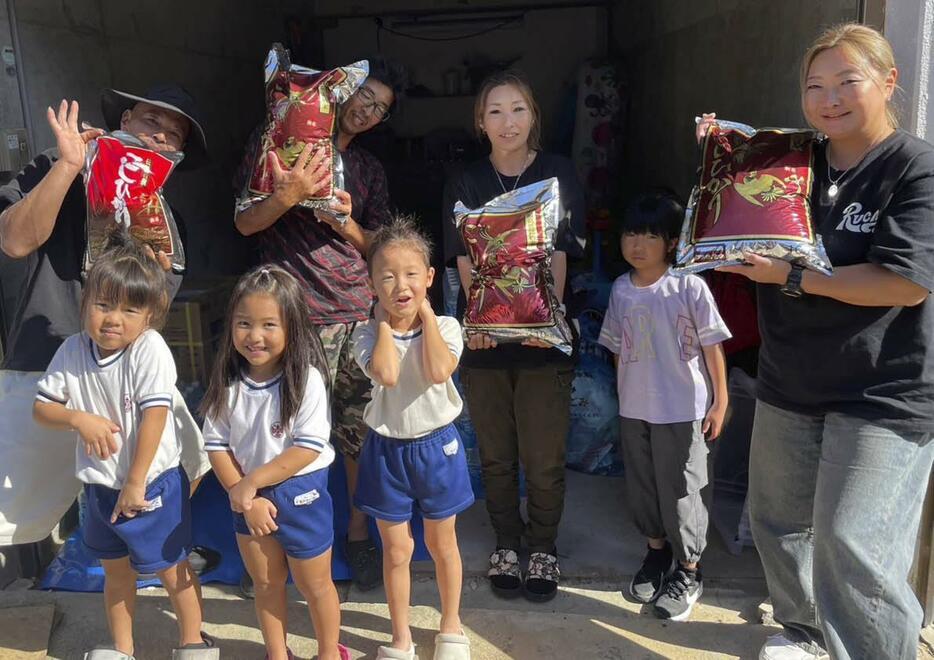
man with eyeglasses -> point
(327, 258)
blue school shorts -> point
(429, 472)
(305, 514)
(155, 539)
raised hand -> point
(72, 143)
(707, 120)
(306, 178)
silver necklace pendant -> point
(516, 183)
(832, 190)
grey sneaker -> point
(647, 583)
(682, 589)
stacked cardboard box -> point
(194, 325)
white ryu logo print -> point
(133, 170)
(856, 221)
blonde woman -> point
(841, 448)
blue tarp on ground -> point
(75, 570)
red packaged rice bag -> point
(510, 240)
(301, 108)
(123, 182)
(753, 196)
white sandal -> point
(107, 653)
(450, 646)
(389, 653)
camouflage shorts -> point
(350, 388)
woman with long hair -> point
(518, 394)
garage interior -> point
(671, 60)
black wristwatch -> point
(792, 286)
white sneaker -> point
(779, 647)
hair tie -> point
(264, 271)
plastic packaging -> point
(123, 182)
(301, 108)
(510, 241)
(753, 196)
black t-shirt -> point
(48, 308)
(821, 355)
(477, 184)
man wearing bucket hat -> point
(43, 222)
(43, 212)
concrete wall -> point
(11, 111)
(683, 57)
(215, 48)
(909, 26)
(548, 44)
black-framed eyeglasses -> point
(379, 110)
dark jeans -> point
(521, 415)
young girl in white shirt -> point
(267, 431)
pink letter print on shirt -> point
(687, 339)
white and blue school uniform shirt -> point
(118, 387)
(253, 429)
(413, 457)
(415, 406)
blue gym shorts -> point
(305, 514)
(155, 539)
(429, 473)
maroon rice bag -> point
(753, 196)
(301, 109)
(510, 241)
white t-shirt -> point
(659, 332)
(253, 431)
(118, 387)
(415, 406)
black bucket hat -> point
(171, 97)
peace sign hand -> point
(72, 143)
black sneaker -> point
(203, 560)
(246, 586)
(366, 566)
(647, 583)
(682, 590)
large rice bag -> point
(123, 182)
(510, 240)
(753, 196)
(301, 108)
